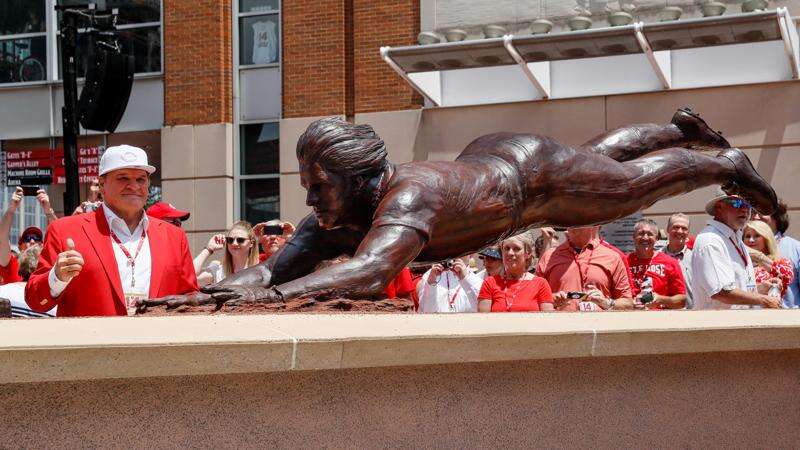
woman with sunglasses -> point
(241, 252)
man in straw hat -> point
(722, 272)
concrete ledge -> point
(100, 348)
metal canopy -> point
(544, 60)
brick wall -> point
(314, 77)
(198, 64)
(331, 59)
(377, 24)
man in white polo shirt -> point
(722, 271)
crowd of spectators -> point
(740, 260)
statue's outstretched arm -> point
(381, 256)
(308, 247)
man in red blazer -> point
(101, 262)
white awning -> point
(711, 51)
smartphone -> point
(572, 295)
(30, 190)
(273, 230)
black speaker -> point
(109, 78)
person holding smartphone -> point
(9, 264)
(241, 252)
(272, 235)
(584, 265)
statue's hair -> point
(342, 147)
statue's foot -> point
(696, 131)
(748, 183)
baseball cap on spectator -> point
(491, 252)
(164, 210)
(124, 157)
(30, 233)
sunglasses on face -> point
(32, 238)
(238, 240)
(738, 203)
(176, 222)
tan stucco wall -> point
(762, 118)
(197, 176)
(711, 400)
(679, 379)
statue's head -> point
(337, 159)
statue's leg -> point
(587, 189)
(686, 130)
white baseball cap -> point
(124, 157)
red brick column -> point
(198, 63)
(380, 23)
(314, 62)
(331, 58)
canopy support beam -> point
(388, 59)
(644, 44)
(790, 40)
(509, 45)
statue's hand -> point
(174, 301)
(243, 294)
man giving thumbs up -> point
(100, 263)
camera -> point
(448, 265)
(576, 295)
(647, 297)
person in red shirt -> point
(517, 290)
(582, 265)
(271, 241)
(767, 260)
(654, 271)
(9, 265)
(622, 255)
(402, 286)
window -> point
(259, 145)
(260, 200)
(248, 6)
(260, 178)
(139, 25)
(23, 41)
(22, 16)
(257, 28)
(259, 33)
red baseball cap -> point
(30, 231)
(164, 210)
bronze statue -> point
(387, 216)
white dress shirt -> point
(718, 265)
(437, 298)
(135, 284)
